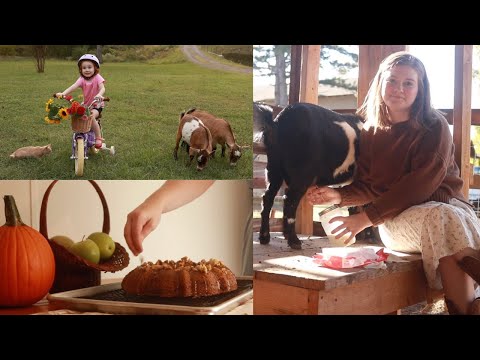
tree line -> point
(274, 60)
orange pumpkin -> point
(27, 264)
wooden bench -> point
(286, 281)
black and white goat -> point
(306, 145)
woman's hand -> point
(59, 95)
(170, 196)
(350, 224)
(140, 223)
(323, 195)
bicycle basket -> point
(82, 123)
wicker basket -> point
(79, 124)
(72, 272)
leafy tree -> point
(264, 62)
(99, 53)
(275, 60)
(39, 53)
(280, 69)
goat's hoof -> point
(295, 244)
(264, 239)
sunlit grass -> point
(140, 121)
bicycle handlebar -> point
(106, 98)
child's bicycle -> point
(83, 138)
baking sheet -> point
(110, 298)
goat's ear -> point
(195, 149)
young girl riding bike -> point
(92, 84)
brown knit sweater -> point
(399, 167)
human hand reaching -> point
(146, 217)
(352, 224)
(140, 223)
(323, 195)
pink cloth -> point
(90, 88)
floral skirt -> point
(435, 230)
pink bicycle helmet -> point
(89, 57)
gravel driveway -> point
(197, 56)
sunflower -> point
(47, 105)
(48, 121)
(63, 113)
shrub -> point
(7, 50)
(112, 58)
(24, 50)
(60, 51)
(244, 59)
(78, 51)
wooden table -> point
(43, 306)
(287, 281)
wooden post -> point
(295, 71)
(309, 76)
(308, 93)
(369, 58)
(462, 112)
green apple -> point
(86, 249)
(105, 243)
(65, 241)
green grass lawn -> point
(141, 119)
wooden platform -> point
(287, 281)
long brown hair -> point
(422, 114)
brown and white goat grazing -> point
(199, 139)
(221, 133)
(306, 145)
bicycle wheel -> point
(79, 157)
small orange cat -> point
(31, 151)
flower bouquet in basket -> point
(57, 112)
(77, 110)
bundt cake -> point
(184, 278)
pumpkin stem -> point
(11, 212)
